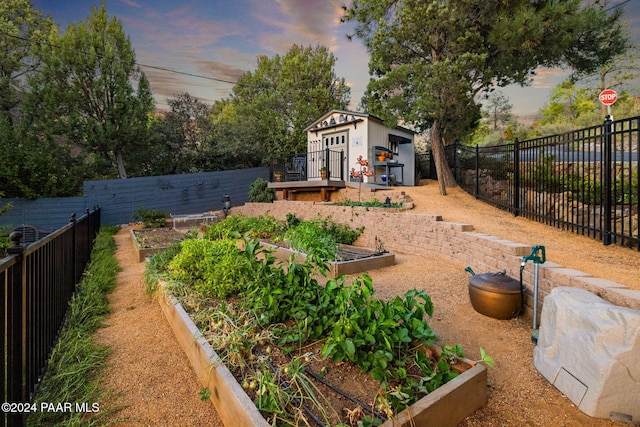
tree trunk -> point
(445, 175)
(122, 173)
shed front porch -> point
(289, 189)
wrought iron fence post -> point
(606, 237)
(477, 189)
(326, 161)
(342, 171)
(76, 267)
(516, 177)
(16, 323)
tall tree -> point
(430, 58)
(286, 93)
(617, 74)
(83, 93)
(187, 130)
(237, 137)
(20, 27)
(568, 102)
(497, 109)
(34, 167)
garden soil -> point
(154, 384)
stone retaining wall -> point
(402, 232)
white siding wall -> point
(362, 137)
(357, 146)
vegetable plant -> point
(245, 303)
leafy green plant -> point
(499, 167)
(292, 220)
(259, 192)
(151, 218)
(317, 236)
(260, 227)
(373, 203)
(284, 305)
(341, 232)
(311, 238)
(158, 265)
(485, 358)
(544, 176)
(216, 268)
(205, 394)
(320, 237)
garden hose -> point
(338, 390)
(285, 385)
(355, 400)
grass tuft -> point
(73, 372)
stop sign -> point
(608, 96)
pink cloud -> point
(131, 3)
(304, 22)
(547, 78)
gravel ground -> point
(157, 387)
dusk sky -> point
(221, 39)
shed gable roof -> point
(336, 118)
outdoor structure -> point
(335, 141)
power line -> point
(617, 5)
(155, 67)
(184, 73)
(102, 57)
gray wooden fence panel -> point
(174, 194)
(121, 198)
(45, 213)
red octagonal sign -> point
(608, 96)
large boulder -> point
(590, 350)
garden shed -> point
(389, 151)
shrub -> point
(216, 268)
(260, 193)
(151, 218)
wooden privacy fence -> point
(38, 280)
(585, 181)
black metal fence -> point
(425, 168)
(585, 181)
(323, 164)
(39, 280)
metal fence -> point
(585, 181)
(323, 164)
(39, 280)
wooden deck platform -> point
(324, 186)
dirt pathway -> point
(147, 367)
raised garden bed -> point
(351, 259)
(447, 406)
(148, 241)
